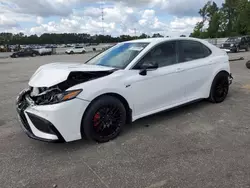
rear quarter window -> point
(190, 50)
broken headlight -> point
(54, 98)
(65, 96)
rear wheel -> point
(247, 48)
(104, 119)
(16, 56)
(237, 49)
(248, 64)
(220, 87)
(33, 55)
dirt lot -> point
(200, 145)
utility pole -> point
(102, 17)
(135, 31)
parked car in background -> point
(25, 52)
(235, 44)
(107, 46)
(44, 51)
(76, 50)
(134, 79)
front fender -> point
(95, 88)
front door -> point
(160, 88)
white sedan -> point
(76, 50)
(134, 79)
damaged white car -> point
(66, 102)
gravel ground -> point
(200, 145)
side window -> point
(206, 51)
(163, 54)
(191, 50)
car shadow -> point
(135, 126)
(165, 115)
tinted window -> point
(191, 50)
(206, 50)
(163, 54)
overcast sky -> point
(168, 17)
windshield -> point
(119, 56)
(234, 39)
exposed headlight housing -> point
(232, 45)
(222, 45)
(65, 96)
(55, 96)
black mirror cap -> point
(149, 66)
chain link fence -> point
(216, 41)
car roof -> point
(159, 40)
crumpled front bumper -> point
(51, 123)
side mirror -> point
(148, 67)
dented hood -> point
(55, 73)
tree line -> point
(231, 19)
(66, 38)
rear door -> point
(196, 66)
(243, 43)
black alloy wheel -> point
(107, 121)
(104, 119)
(219, 88)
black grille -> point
(24, 121)
(21, 106)
(226, 45)
(41, 124)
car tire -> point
(83, 52)
(248, 64)
(219, 88)
(236, 50)
(33, 55)
(71, 52)
(104, 119)
(16, 56)
(247, 48)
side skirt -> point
(168, 108)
